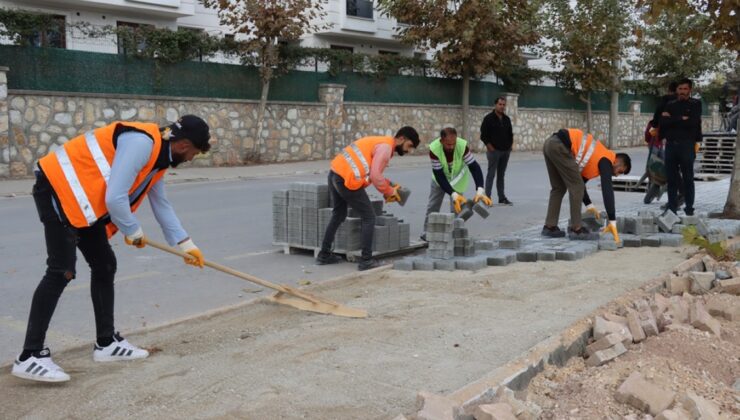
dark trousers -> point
(358, 200)
(679, 165)
(565, 176)
(497, 162)
(62, 242)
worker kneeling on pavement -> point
(85, 192)
(572, 158)
(360, 164)
(452, 165)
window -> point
(360, 8)
(382, 52)
(52, 36)
(132, 32)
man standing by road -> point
(573, 157)
(452, 165)
(360, 164)
(87, 190)
(680, 125)
(498, 136)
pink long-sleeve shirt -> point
(382, 154)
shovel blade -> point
(329, 308)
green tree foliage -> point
(21, 26)
(470, 38)
(587, 38)
(673, 46)
(261, 25)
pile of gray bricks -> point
(301, 213)
(439, 236)
(464, 246)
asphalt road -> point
(231, 222)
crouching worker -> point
(360, 164)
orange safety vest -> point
(79, 172)
(588, 152)
(354, 162)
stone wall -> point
(33, 123)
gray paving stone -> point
(652, 240)
(631, 241)
(439, 236)
(593, 236)
(458, 223)
(702, 228)
(445, 265)
(481, 209)
(404, 193)
(424, 264)
(668, 239)
(526, 256)
(460, 233)
(472, 264)
(466, 213)
(678, 228)
(483, 245)
(607, 245)
(547, 255)
(510, 243)
(689, 220)
(569, 255)
(501, 257)
(405, 264)
(667, 220)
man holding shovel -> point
(360, 164)
(85, 192)
(452, 165)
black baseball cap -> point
(194, 129)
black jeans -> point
(358, 200)
(62, 242)
(497, 162)
(679, 163)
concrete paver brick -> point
(631, 241)
(568, 255)
(607, 245)
(652, 240)
(431, 406)
(670, 239)
(472, 264)
(633, 323)
(483, 245)
(604, 343)
(510, 243)
(526, 256)
(404, 264)
(701, 281)
(424, 264)
(731, 286)
(481, 209)
(678, 285)
(667, 220)
(602, 328)
(602, 356)
(501, 257)
(689, 220)
(698, 407)
(498, 411)
(644, 395)
(445, 265)
(700, 319)
(546, 255)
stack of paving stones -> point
(302, 212)
(647, 228)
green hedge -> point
(52, 69)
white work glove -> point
(480, 194)
(195, 257)
(593, 210)
(136, 239)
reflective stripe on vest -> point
(353, 165)
(74, 183)
(98, 156)
(580, 158)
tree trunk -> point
(732, 206)
(613, 120)
(465, 104)
(589, 115)
(256, 153)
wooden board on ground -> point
(351, 256)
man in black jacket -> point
(497, 134)
(680, 125)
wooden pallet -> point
(629, 183)
(351, 256)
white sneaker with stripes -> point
(119, 349)
(39, 367)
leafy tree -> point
(470, 38)
(723, 28)
(263, 24)
(674, 46)
(587, 41)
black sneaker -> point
(423, 237)
(367, 264)
(325, 258)
(505, 202)
(582, 233)
(552, 232)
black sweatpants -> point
(357, 199)
(679, 162)
(62, 242)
